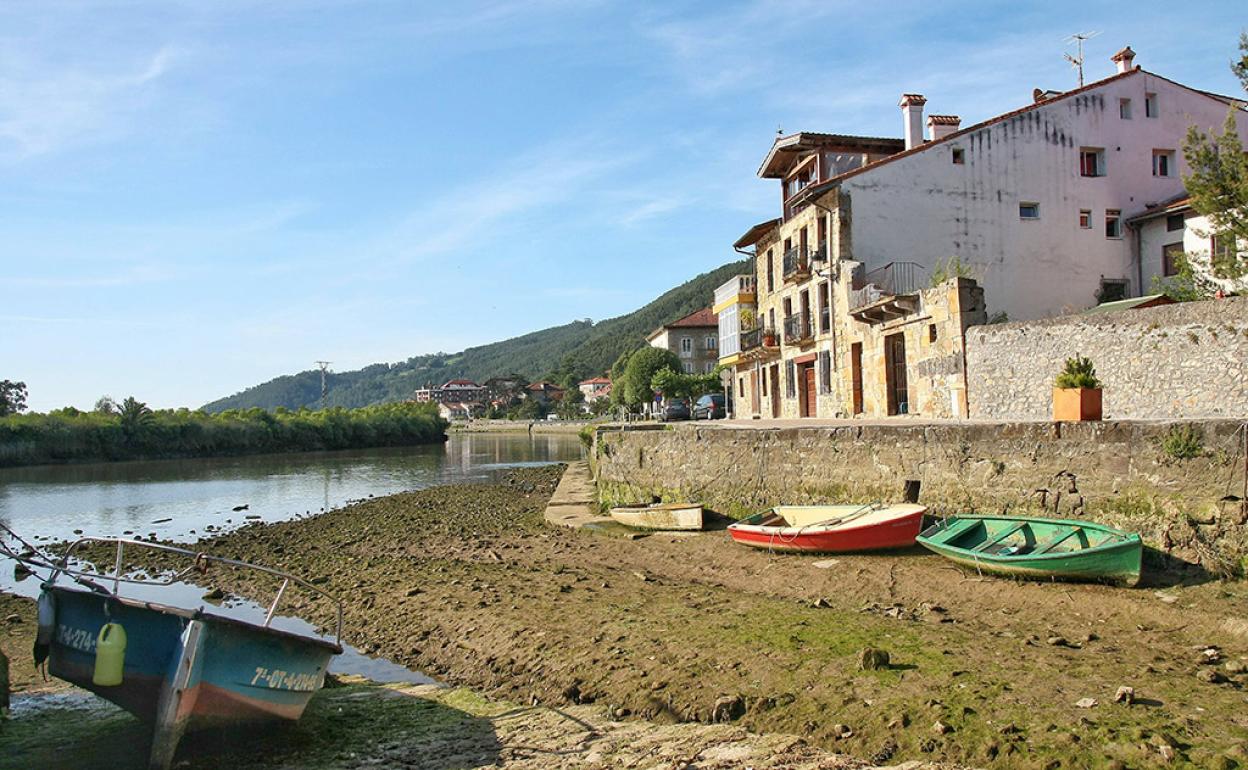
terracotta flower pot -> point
(1076, 404)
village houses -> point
(694, 339)
(886, 250)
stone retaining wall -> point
(1120, 473)
(1173, 362)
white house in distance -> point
(694, 339)
(1034, 200)
(1173, 229)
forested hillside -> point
(565, 353)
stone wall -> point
(1178, 361)
(1119, 473)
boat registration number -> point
(75, 638)
(278, 679)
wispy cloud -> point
(45, 107)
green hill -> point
(573, 351)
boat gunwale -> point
(201, 614)
(1122, 539)
(819, 528)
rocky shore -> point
(677, 635)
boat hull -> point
(879, 530)
(188, 671)
(667, 516)
(1116, 557)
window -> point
(1085, 219)
(931, 332)
(1222, 251)
(825, 371)
(771, 272)
(688, 367)
(1113, 223)
(711, 343)
(790, 379)
(1171, 257)
(686, 346)
(959, 156)
(1163, 162)
(1091, 162)
(1150, 105)
(1124, 109)
(1029, 211)
(1174, 222)
(710, 367)
(1112, 290)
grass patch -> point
(1183, 442)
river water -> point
(183, 500)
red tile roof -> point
(703, 317)
(596, 381)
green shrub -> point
(1183, 442)
(586, 434)
(1078, 373)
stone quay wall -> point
(1188, 360)
(1124, 474)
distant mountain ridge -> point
(577, 350)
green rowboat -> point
(1053, 549)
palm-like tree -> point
(134, 414)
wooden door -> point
(775, 391)
(895, 374)
(756, 406)
(810, 395)
(855, 367)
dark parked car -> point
(710, 407)
(675, 410)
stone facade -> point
(1178, 361)
(1118, 473)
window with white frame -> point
(688, 367)
(1124, 109)
(1091, 161)
(711, 343)
(1113, 223)
(1163, 162)
(1085, 219)
(1029, 210)
(710, 367)
(686, 346)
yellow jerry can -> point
(110, 655)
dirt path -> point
(467, 584)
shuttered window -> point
(825, 371)
(790, 379)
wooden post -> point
(4, 683)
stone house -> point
(694, 339)
(1173, 229)
(458, 391)
(886, 250)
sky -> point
(199, 195)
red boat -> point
(831, 528)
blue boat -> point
(184, 669)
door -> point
(775, 391)
(809, 394)
(895, 374)
(756, 406)
(855, 367)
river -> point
(182, 500)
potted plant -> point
(769, 338)
(1077, 392)
(749, 320)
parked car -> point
(674, 410)
(712, 406)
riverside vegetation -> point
(132, 431)
(468, 585)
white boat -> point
(685, 516)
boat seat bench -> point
(990, 543)
(1056, 540)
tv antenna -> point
(1077, 61)
(324, 367)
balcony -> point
(797, 329)
(797, 264)
(888, 292)
(759, 345)
(735, 288)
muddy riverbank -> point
(466, 584)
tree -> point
(617, 376)
(673, 384)
(12, 397)
(106, 405)
(1218, 184)
(571, 406)
(642, 365)
(134, 415)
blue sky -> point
(199, 195)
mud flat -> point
(467, 584)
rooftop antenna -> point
(779, 130)
(1077, 61)
(324, 367)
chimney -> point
(1124, 59)
(940, 126)
(912, 112)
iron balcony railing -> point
(891, 280)
(796, 262)
(751, 339)
(797, 328)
